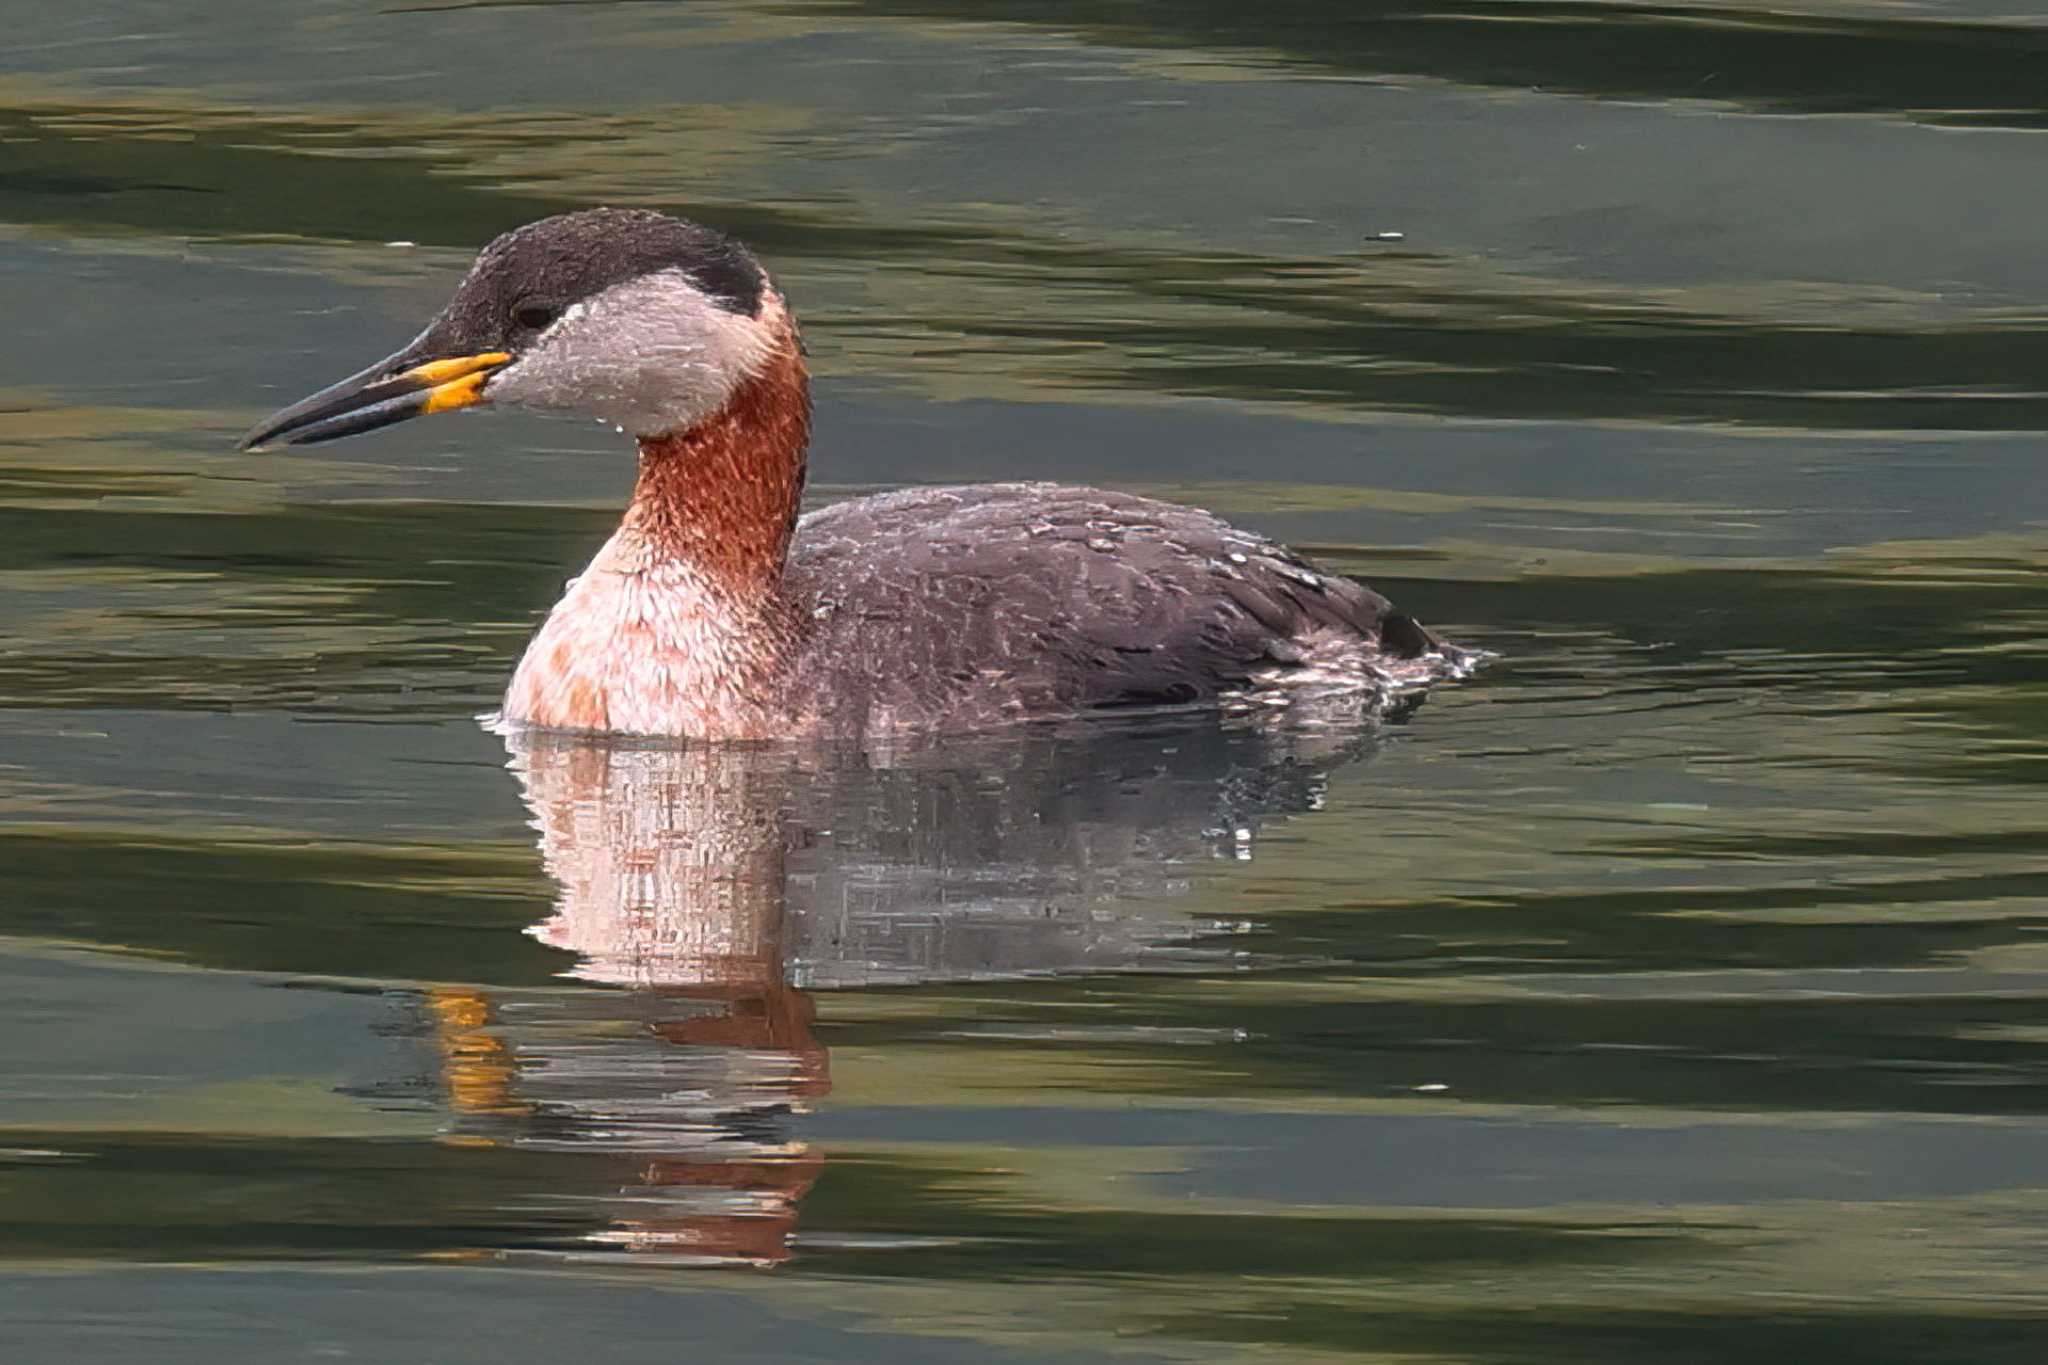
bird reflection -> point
(703, 891)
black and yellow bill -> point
(390, 391)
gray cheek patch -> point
(653, 355)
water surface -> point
(1673, 988)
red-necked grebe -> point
(716, 612)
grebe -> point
(716, 612)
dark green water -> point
(1672, 990)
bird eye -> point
(535, 316)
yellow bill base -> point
(456, 393)
(438, 372)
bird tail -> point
(1403, 637)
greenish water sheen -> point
(1671, 990)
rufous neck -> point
(723, 496)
